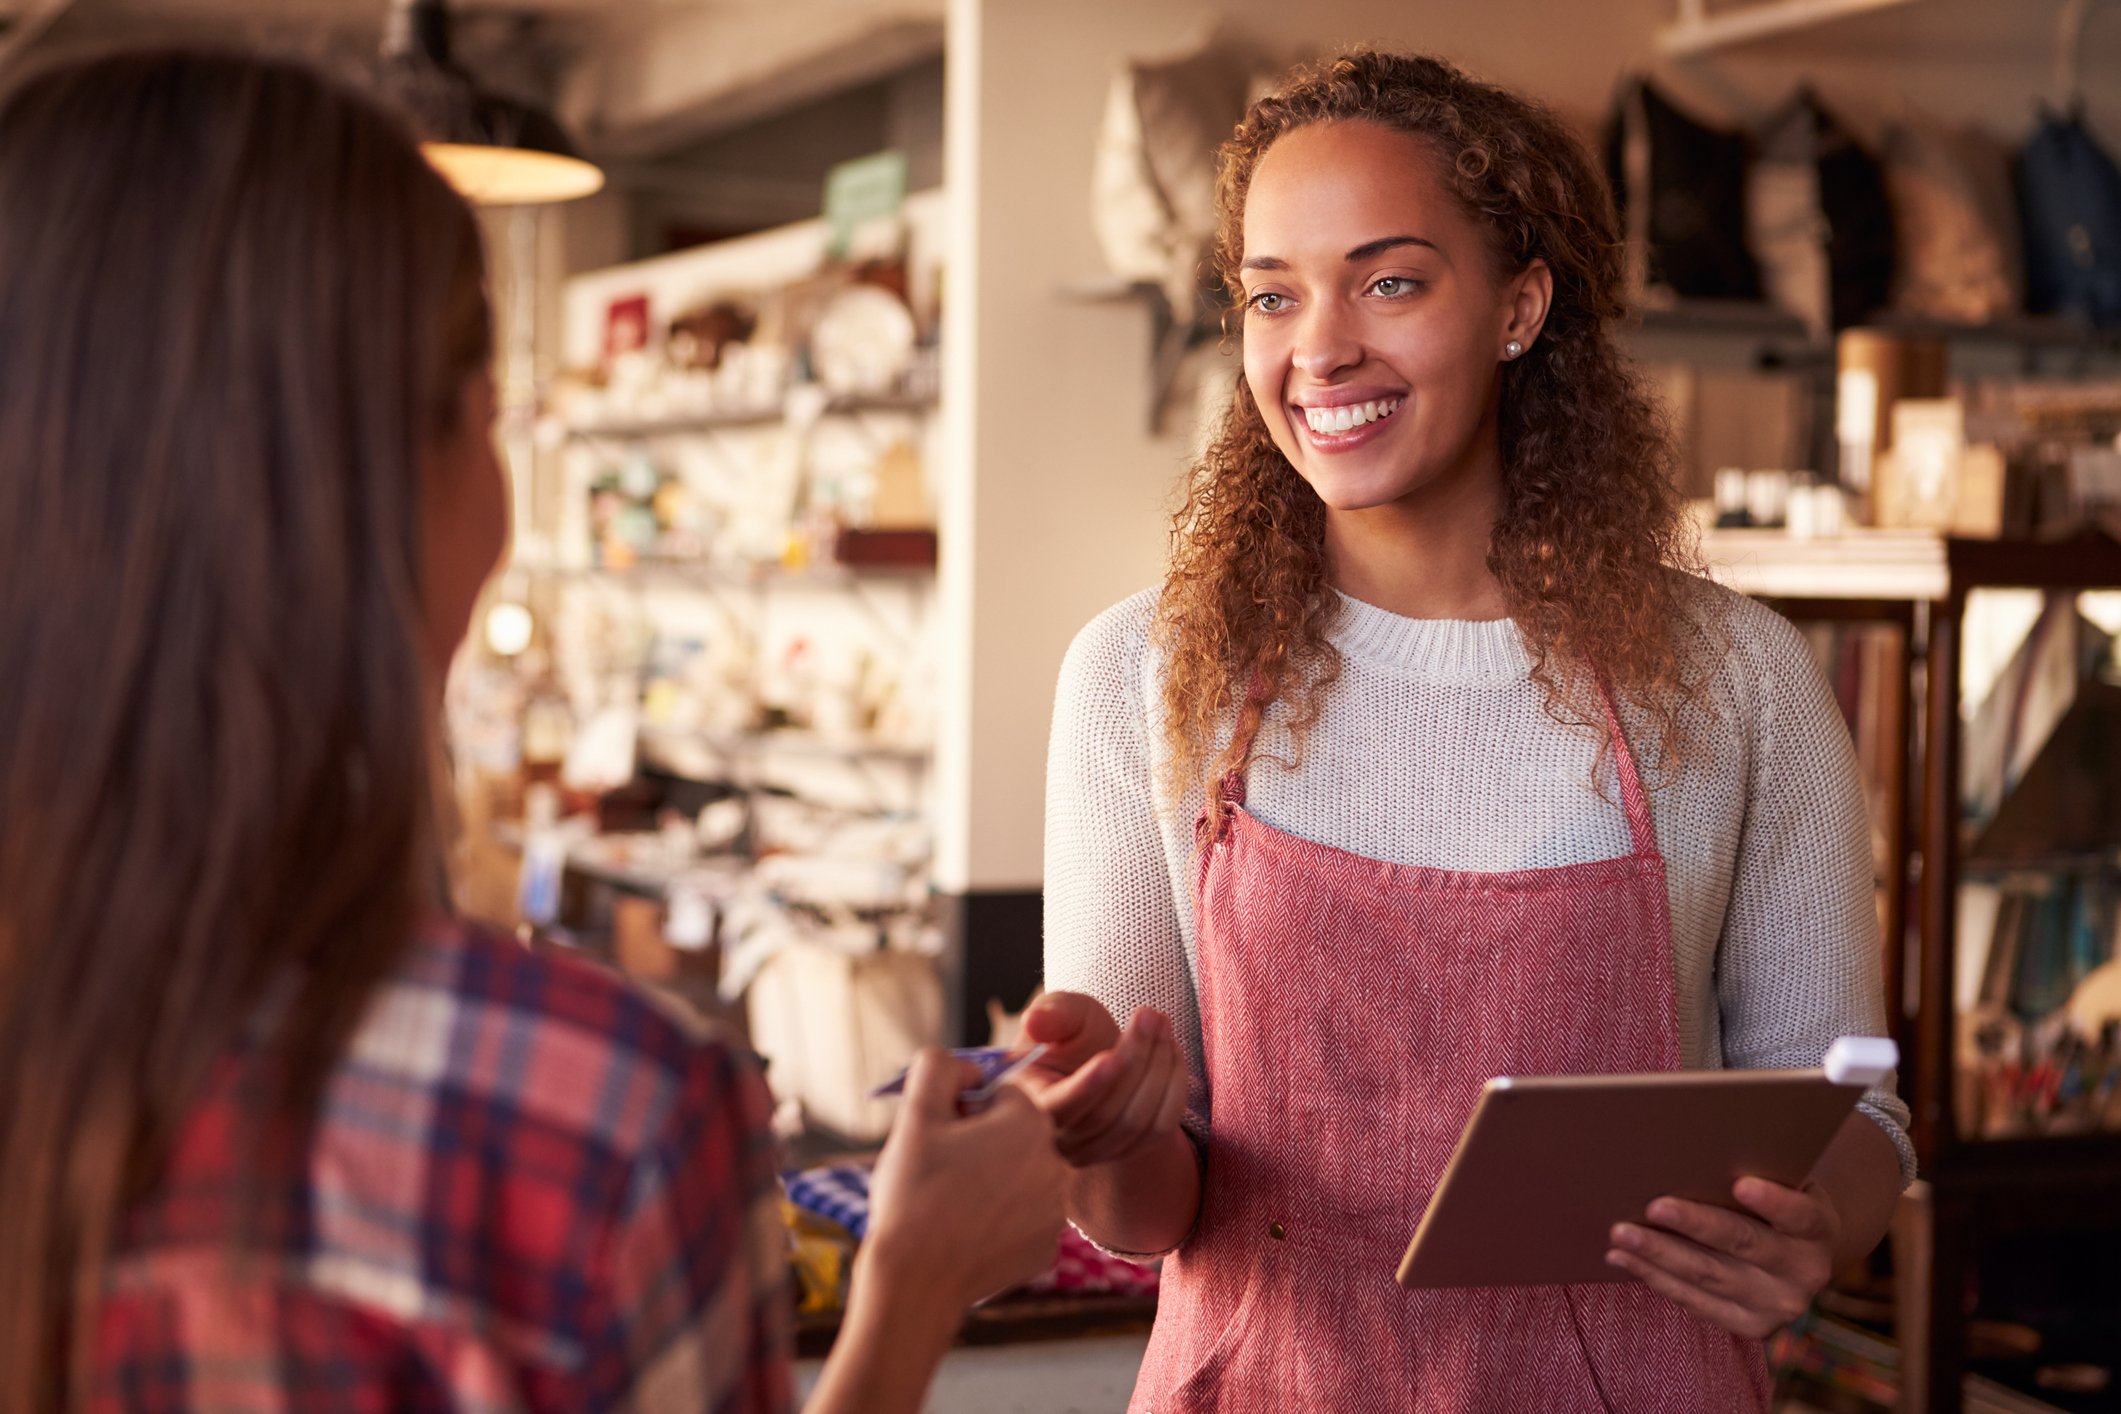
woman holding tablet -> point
(1435, 759)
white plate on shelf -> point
(863, 341)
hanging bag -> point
(2069, 195)
(1680, 188)
(1955, 222)
(1819, 220)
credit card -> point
(996, 1064)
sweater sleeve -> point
(1799, 962)
(1112, 918)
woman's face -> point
(1374, 324)
(464, 520)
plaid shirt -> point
(530, 1188)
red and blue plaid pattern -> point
(530, 1188)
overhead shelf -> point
(1697, 31)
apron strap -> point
(1633, 798)
(1232, 790)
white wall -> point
(1061, 493)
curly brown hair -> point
(1591, 525)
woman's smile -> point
(1341, 426)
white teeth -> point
(1349, 416)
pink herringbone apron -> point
(1350, 1011)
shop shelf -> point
(807, 745)
(1786, 341)
(642, 429)
(1860, 564)
(1696, 31)
(710, 575)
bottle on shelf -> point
(548, 729)
(544, 861)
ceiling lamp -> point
(494, 150)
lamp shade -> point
(494, 150)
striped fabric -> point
(530, 1188)
(836, 1192)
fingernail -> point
(1663, 1212)
(1616, 1259)
(1625, 1235)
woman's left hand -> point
(1751, 1275)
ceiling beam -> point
(687, 73)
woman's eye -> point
(1392, 286)
(1268, 302)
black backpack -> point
(2069, 199)
(1691, 210)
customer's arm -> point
(689, 1301)
(961, 1207)
(691, 1304)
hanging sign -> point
(861, 191)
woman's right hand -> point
(969, 1202)
(1111, 1094)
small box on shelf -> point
(899, 548)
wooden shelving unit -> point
(1969, 1188)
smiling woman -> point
(1474, 222)
(1432, 761)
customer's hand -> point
(969, 1203)
(1751, 1275)
(1111, 1094)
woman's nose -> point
(1326, 342)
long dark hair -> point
(1591, 526)
(236, 307)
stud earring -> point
(1512, 349)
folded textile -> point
(839, 1192)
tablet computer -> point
(1546, 1166)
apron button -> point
(1277, 1231)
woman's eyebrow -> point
(1364, 251)
(1378, 247)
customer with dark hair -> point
(275, 1134)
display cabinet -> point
(1972, 1188)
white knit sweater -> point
(1434, 749)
